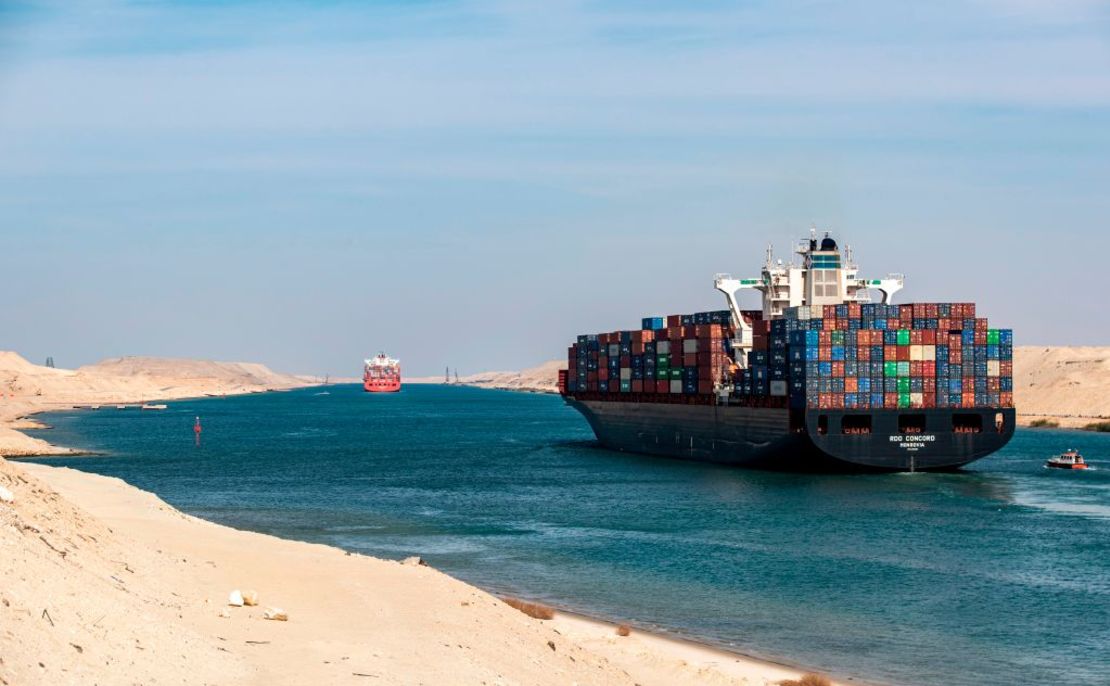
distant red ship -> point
(381, 374)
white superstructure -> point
(380, 361)
(821, 277)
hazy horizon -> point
(472, 184)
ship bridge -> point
(817, 274)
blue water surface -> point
(999, 574)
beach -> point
(106, 583)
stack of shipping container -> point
(677, 355)
(925, 355)
(850, 356)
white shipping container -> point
(778, 387)
(663, 347)
(929, 353)
(917, 399)
(993, 368)
(626, 374)
(614, 349)
(676, 385)
(917, 353)
(689, 345)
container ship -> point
(381, 374)
(822, 378)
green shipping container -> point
(903, 337)
(626, 386)
(903, 385)
(903, 399)
(903, 368)
(662, 361)
(676, 374)
(890, 369)
(992, 336)
(837, 338)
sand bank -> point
(107, 584)
(26, 389)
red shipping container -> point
(903, 353)
(980, 337)
(824, 338)
(968, 400)
(824, 401)
(673, 320)
(929, 369)
(994, 384)
(828, 324)
(638, 386)
(626, 360)
(1006, 368)
(893, 324)
(917, 336)
(690, 360)
(602, 361)
(838, 401)
(662, 386)
(890, 353)
(930, 385)
(863, 353)
(905, 313)
(828, 312)
(705, 358)
(929, 337)
(705, 387)
(851, 384)
(1006, 399)
(603, 374)
(591, 377)
(981, 325)
(855, 311)
(824, 353)
(637, 348)
(915, 368)
(837, 369)
(890, 400)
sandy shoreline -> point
(116, 565)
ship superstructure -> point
(815, 276)
(821, 377)
(381, 374)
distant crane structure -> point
(50, 362)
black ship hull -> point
(800, 439)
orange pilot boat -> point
(381, 374)
(1068, 460)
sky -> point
(473, 184)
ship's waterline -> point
(884, 577)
